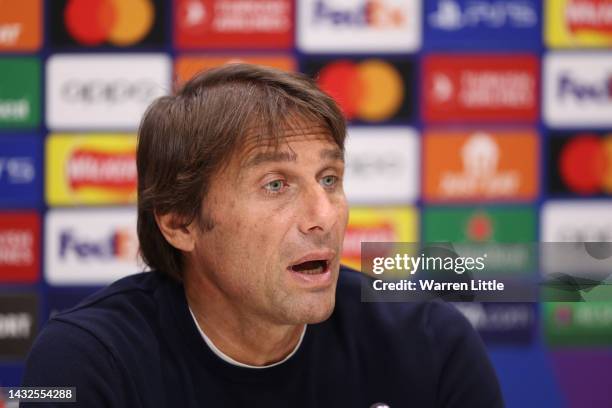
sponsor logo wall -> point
(469, 121)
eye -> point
(329, 181)
(275, 186)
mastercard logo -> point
(585, 164)
(119, 22)
(371, 90)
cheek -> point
(343, 212)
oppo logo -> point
(370, 165)
(585, 233)
(111, 92)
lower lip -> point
(317, 280)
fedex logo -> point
(374, 13)
(578, 89)
(570, 86)
(117, 245)
(341, 26)
(90, 246)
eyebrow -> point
(279, 157)
(266, 157)
(332, 154)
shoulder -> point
(107, 346)
(128, 302)
(107, 331)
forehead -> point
(259, 148)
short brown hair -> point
(184, 139)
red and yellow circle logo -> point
(371, 90)
(585, 164)
(119, 22)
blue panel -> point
(20, 171)
(482, 24)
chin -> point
(316, 310)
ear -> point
(175, 231)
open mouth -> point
(313, 267)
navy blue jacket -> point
(135, 344)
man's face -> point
(279, 219)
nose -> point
(320, 210)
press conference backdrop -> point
(474, 120)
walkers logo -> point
(20, 170)
(114, 23)
(477, 88)
(93, 169)
(485, 224)
(369, 90)
(460, 166)
(382, 165)
(245, 24)
(19, 92)
(187, 66)
(578, 89)
(19, 247)
(18, 324)
(103, 91)
(578, 23)
(398, 224)
(90, 247)
(482, 24)
(20, 25)
(359, 26)
(580, 164)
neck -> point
(237, 333)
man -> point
(241, 217)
